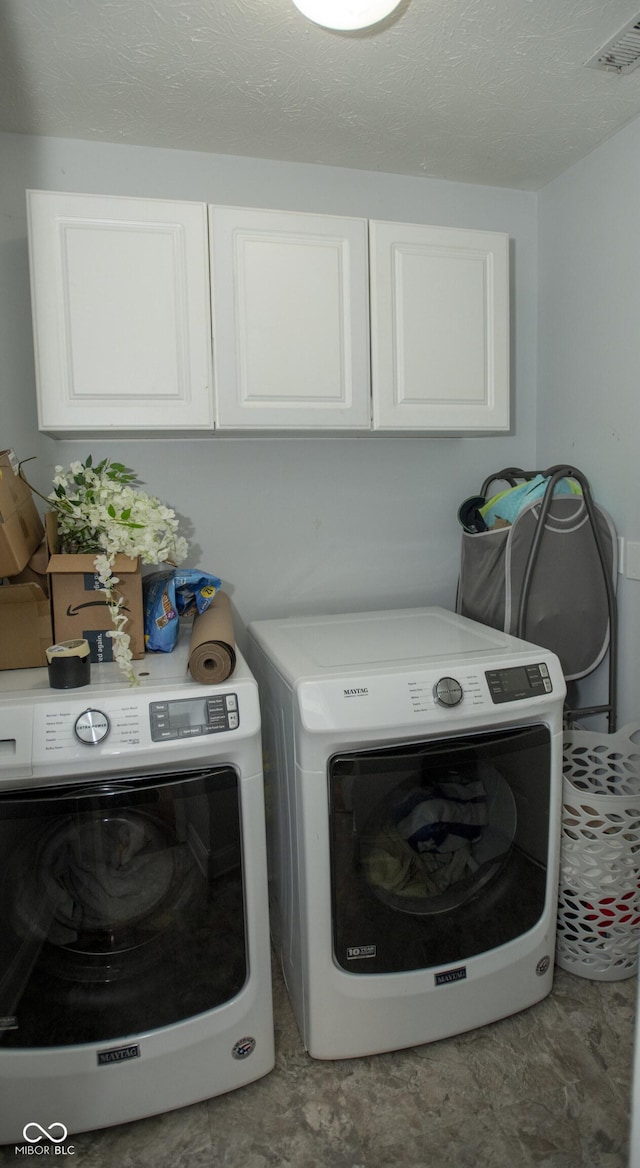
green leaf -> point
(111, 510)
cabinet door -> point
(290, 320)
(120, 298)
(439, 328)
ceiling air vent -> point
(622, 53)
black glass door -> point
(121, 906)
(439, 849)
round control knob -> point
(92, 727)
(447, 692)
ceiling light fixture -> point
(346, 14)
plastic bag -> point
(170, 595)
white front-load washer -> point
(135, 968)
(413, 782)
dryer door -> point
(121, 906)
(439, 850)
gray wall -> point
(291, 525)
(589, 352)
(18, 420)
(323, 524)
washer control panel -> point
(522, 681)
(192, 717)
(60, 731)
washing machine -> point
(134, 943)
(413, 785)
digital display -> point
(515, 680)
(183, 715)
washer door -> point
(439, 849)
(121, 906)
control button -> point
(547, 685)
(92, 727)
(447, 692)
(543, 669)
(233, 721)
(232, 701)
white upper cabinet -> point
(439, 328)
(290, 304)
(154, 316)
(120, 297)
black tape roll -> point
(69, 664)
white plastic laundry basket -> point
(599, 897)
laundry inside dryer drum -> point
(429, 847)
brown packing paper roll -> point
(212, 653)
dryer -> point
(413, 784)
(135, 971)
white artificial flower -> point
(100, 510)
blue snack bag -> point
(170, 595)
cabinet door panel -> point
(440, 321)
(290, 320)
(121, 313)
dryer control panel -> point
(519, 682)
(436, 697)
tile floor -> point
(547, 1087)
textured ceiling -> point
(482, 91)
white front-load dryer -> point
(413, 783)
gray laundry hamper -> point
(549, 577)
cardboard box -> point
(25, 626)
(21, 528)
(80, 608)
(36, 570)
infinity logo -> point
(45, 1133)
